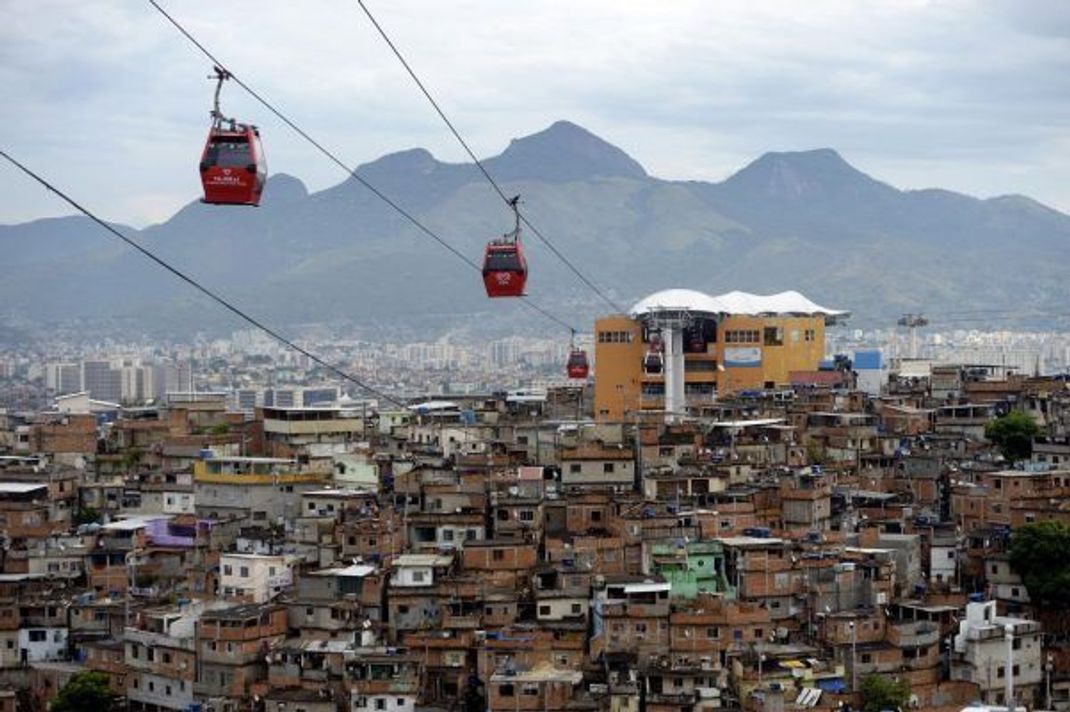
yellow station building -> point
(708, 346)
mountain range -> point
(804, 220)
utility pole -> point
(913, 322)
(1008, 674)
(854, 658)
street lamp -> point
(1047, 680)
(130, 582)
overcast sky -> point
(111, 103)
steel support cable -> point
(337, 161)
(200, 287)
(479, 164)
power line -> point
(338, 162)
(479, 164)
(200, 287)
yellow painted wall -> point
(618, 367)
(795, 353)
(619, 372)
(202, 475)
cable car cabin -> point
(505, 271)
(233, 167)
(653, 363)
(577, 365)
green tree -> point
(882, 693)
(86, 691)
(1013, 433)
(132, 458)
(87, 515)
(1039, 555)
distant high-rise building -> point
(327, 395)
(246, 398)
(139, 383)
(63, 378)
(103, 382)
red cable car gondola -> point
(233, 166)
(576, 366)
(653, 360)
(505, 271)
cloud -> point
(112, 102)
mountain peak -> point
(413, 160)
(794, 175)
(564, 152)
(284, 188)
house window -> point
(607, 467)
(244, 572)
(596, 516)
(867, 658)
(544, 610)
(713, 632)
(380, 703)
(526, 515)
(577, 608)
(575, 468)
(418, 576)
(227, 571)
(774, 336)
(505, 690)
(498, 555)
(38, 636)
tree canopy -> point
(1013, 433)
(882, 693)
(85, 691)
(1039, 554)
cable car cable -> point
(322, 149)
(479, 164)
(338, 162)
(200, 287)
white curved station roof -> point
(790, 302)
